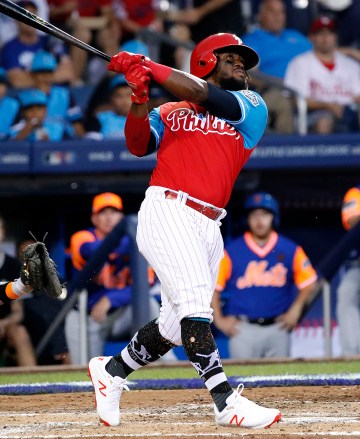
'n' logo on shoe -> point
(235, 420)
(101, 388)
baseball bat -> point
(12, 10)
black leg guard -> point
(147, 346)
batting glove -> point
(121, 62)
(138, 79)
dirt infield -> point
(324, 412)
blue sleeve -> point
(88, 248)
(253, 117)
(156, 126)
(119, 298)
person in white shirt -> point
(329, 80)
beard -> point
(233, 84)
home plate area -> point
(326, 411)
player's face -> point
(324, 41)
(260, 222)
(230, 72)
(106, 219)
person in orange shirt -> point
(348, 292)
(254, 302)
(109, 291)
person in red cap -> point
(202, 143)
(329, 80)
(109, 291)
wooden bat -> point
(12, 10)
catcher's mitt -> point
(39, 271)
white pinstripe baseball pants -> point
(185, 248)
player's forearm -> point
(137, 130)
(183, 85)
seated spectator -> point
(109, 124)
(8, 27)
(15, 343)
(256, 280)
(9, 107)
(207, 17)
(17, 54)
(109, 291)
(276, 46)
(39, 312)
(33, 124)
(61, 105)
(94, 23)
(329, 80)
(136, 15)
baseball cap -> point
(31, 97)
(322, 23)
(43, 62)
(117, 81)
(106, 199)
(3, 76)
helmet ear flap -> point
(205, 64)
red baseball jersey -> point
(202, 154)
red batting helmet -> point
(203, 60)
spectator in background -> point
(109, 291)
(329, 80)
(136, 15)
(94, 23)
(34, 125)
(348, 293)
(207, 17)
(17, 54)
(256, 281)
(9, 107)
(39, 312)
(8, 27)
(61, 106)
(15, 343)
(276, 46)
(109, 123)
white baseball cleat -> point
(108, 391)
(241, 412)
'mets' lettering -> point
(256, 274)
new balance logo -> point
(235, 420)
(102, 387)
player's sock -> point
(147, 346)
(201, 350)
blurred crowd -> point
(49, 90)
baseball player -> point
(348, 293)
(109, 291)
(256, 280)
(202, 142)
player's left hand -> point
(290, 319)
(138, 78)
(122, 61)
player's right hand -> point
(138, 78)
(229, 325)
(122, 61)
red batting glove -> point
(121, 62)
(138, 78)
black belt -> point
(262, 321)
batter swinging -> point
(202, 143)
